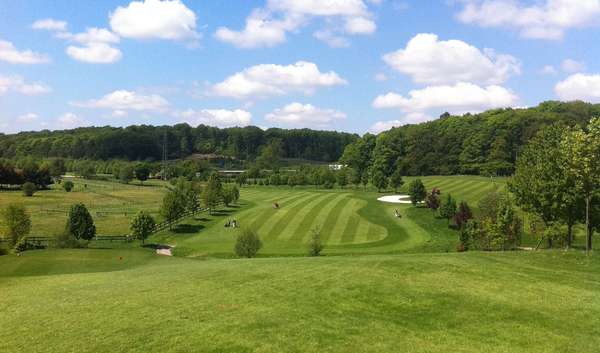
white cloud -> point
(548, 70)
(571, 66)
(95, 53)
(267, 80)
(27, 118)
(216, 117)
(18, 84)
(155, 19)
(380, 77)
(428, 60)
(544, 19)
(91, 35)
(123, 100)
(50, 24)
(268, 26)
(460, 98)
(304, 115)
(411, 118)
(579, 87)
(71, 120)
(10, 54)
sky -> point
(346, 65)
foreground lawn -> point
(128, 300)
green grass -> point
(132, 301)
(111, 204)
(350, 221)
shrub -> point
(315, 246)
(247, 244)
(68, 185)
(29, 189)
(448, 208)
(65, 240)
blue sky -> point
(351, 65)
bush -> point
(22, 245)
(29, 189)
(315, 246)
(65, 240)
(247, 244)
(68, 185)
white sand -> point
(405, 199)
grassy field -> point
(350, 221)
(111, 204)
(128, 300)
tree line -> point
(145, 143)
(482, 144)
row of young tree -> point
(557, 180)
(481, 144)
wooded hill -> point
(486, 143)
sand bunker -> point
(395, 199)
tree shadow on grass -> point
(219, 213)
(203, 219)
(187, 228)
(155, 246)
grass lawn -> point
(128, 300)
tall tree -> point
(396, 179)
(582, 150)
(80, 223)
(18, 223)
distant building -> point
(336, 166)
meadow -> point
(385, 284)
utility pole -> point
(164, 159)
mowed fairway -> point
(132, 301)
(350, 221)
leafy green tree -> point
(57, 167)
(142, 172)
(227, 196)
(142, 226)
(17, 222)
(448, 208)
(396, 179)
(126, 174)
(542, 185)
(80, 223)
(173, 205)
(354, 177)
(341, 177)
(247, 244)
(379, 180)
(85, 169)
(416, 191)
(271, 154)
(315, 245)
(582, 150)
(274, 179)
(212, 193)
(28, 189)
(68, 185)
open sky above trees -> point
(354, 65)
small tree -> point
(416, 191)
(29, 189)
(172, 206)
(396, 179)
(126, 174)
(212, 193)
(448, 208)
(341, 178)
(142, 226)
(227, 196)
(80, 223)
(463, 215)
(315, 246)
(433, 200)
(142, 172)
(247, 244)
(236, 193)
(68, 185)
(18, 223)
